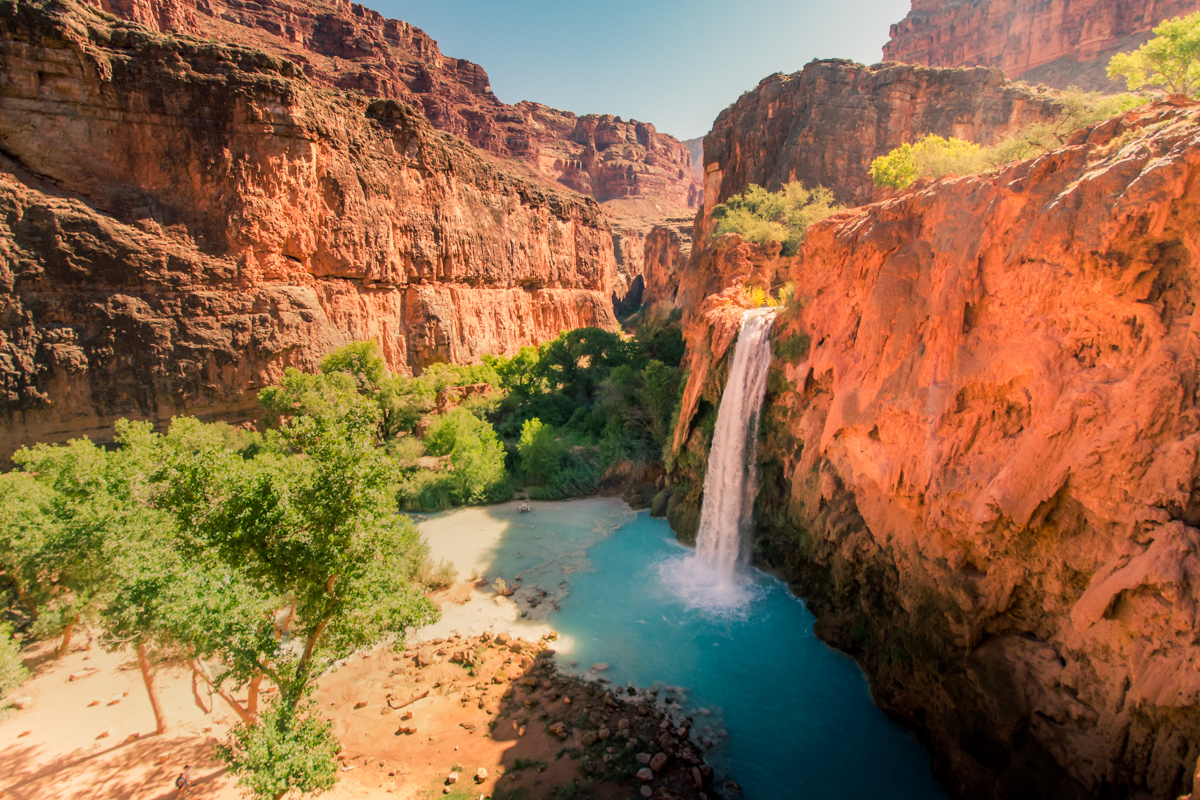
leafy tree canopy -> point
(1170, 60)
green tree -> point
(27, 526)
(784, 216)
(12, 668)
(314, 524)
(540, 450)
(476, 455)
(292, 750)
(1171, 59)
(362, 361)
(92, 504)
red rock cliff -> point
(980, 455)
(825, 124)
(184, 219)
(345, 45)
(1059, 42)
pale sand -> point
(64, 757)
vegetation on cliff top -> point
(784, 216)
(933, 156)
(1170, 60)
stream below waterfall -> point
(798, 716)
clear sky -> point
(675, 63)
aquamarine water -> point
(799, 717)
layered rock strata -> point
(346, 46)
(184, 219)
(980, 452)
(827, 123)
(668, 248)
(1061, 43)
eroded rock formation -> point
(980, 455)
(184, 219)
(343, 45)
(1060, 43)
(825, 124)
(668, 248)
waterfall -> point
(732, 479)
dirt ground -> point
(406, 722)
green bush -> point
(12, 668)
(287, 751)
(784, 216)
(477, 461)
(932, 156)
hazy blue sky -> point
(675, 63)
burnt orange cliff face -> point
(979, 454)
(347, 46)
(184, 219)
(1060, 43)
(825, 124)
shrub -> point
(287, 751)
(784, 216)
(477, 461)
(932, 156)
(12, 668)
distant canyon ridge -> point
(1057, 42)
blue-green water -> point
(799, 717)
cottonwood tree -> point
(1171, 59)
(27, 525)
(85, 505)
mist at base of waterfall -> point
(797, 716)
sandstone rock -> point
(589, 738)
(341, 47)
(558, 729)
(481, 775)
(779, 131)
(646, 791)
(600, 667)
(452, 777)
(1058, 42)
(22, 703)
(603, 733)
(991, 409)
(643, 758)
(502, 638)
(645, 774)
(318, 227)
(658, 762)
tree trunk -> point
(24, 597)
(144, 664)
(196, 692)
(248, 717)
(66, 640)
(252, 695)
(302, 669)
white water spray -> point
(710, 578)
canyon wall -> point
(184, 219)
(979, 455)
(346, 46)
(1062, 43)
(827, 123)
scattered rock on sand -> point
(480, 775)
(646, 791)
(658, 762)
(452, 777)
(645, 774)
(22, 703)
(643, 758)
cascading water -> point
(732, 478)
(710, 578)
